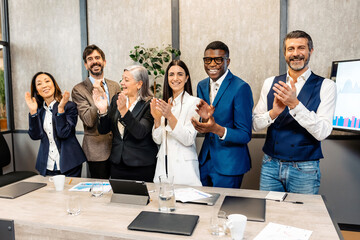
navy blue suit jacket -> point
(233, 109)
(71, 153)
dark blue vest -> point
(286, 139)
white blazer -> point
(182, 158)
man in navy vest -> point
(297, 108)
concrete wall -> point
(45, 36)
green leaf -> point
(155, 73)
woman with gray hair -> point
(133, 153)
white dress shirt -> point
(54, 155)
(318, 124)
(92, 80)
(214, 88)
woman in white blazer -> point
(173, 130)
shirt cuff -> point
(59, 114)
(224, 136)
(296, 110)
(101, 114)
(268, 118)
(34, 115)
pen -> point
(70, 180)
(295, 202)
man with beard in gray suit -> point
(97, 147)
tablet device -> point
(171, 223)
(129, 187)
(20, 188)
(253, 208)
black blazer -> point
(71, 153)
(136, 148)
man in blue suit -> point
(225, 111)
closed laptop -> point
(165, 223)
(253, 208)
(20, 188)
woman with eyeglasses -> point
(173, 129)
(53, 119)
(133, 153)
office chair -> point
(5, 159)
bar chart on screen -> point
(347, 110)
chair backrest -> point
(5, 156)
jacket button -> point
(292, 145)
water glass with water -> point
(166, 194)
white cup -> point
(58, 181)
(73, 205)
(236, 223)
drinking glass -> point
(218, 223)
(73, 205)
(97, 189)
(166, 194)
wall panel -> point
(44, 36)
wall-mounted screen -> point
(347, 111)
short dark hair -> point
(298, 34)
(40, 99)
(167, 91)
(89, 49)
(218, 45)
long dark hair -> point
(167, 91)
(34, 93)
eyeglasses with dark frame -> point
(218, 60)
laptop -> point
(171, 223)
(206, 201)
(253, 208)
(20, 188)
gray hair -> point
(140, 74)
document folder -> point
(171, 223)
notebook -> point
(253, 208)
(19, 189)
(171, 223)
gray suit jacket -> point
(97, 147)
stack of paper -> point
(274, 231)
(189, 194)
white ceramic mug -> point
(58, 181)
(236, 223)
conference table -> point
(41, 214)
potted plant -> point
(154, 59)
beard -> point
(298, 67)
(99, 72)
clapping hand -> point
(154, 111)
(31, 102)
(121, 104)
(204, 110)
(164, 107)
(286, 94)
(64, 100)
(100, 100)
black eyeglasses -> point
(218, 60)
